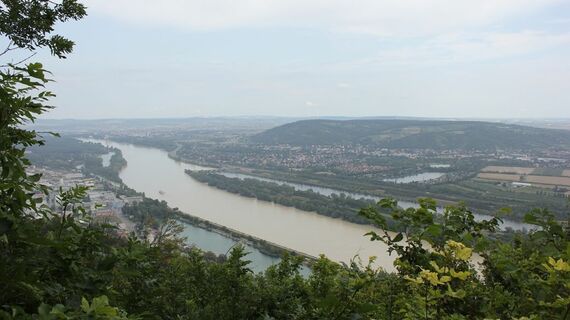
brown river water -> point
(151, 171)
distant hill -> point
(434, 134)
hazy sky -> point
(443, 58)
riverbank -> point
(321, 200)
(406, 194)
(174, 156)
(266, 247)
(338, 188)
(151, 171)
(161, 211)
(335, 206)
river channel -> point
(404, 204)
(151, 171)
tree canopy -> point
(59, 264)
(30, 24)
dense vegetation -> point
(415, 134)
(69, 153)
(487, 197)
(164, 144)
(60, 265)
(337, 206)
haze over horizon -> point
(321, 117)
(445, 59)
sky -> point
(427, 58)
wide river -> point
(151, 171)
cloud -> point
(460, 48)
(378, 17)
(498, 45)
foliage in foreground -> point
(60, 265)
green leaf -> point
(85, 305)
(398, 237)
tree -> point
(26, 229)
(56, 266)
(30, 24)
(27, 25)
(526, 277)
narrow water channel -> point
(404, 204)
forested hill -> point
(435, 134)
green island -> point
(340, 206)
(487, 197)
